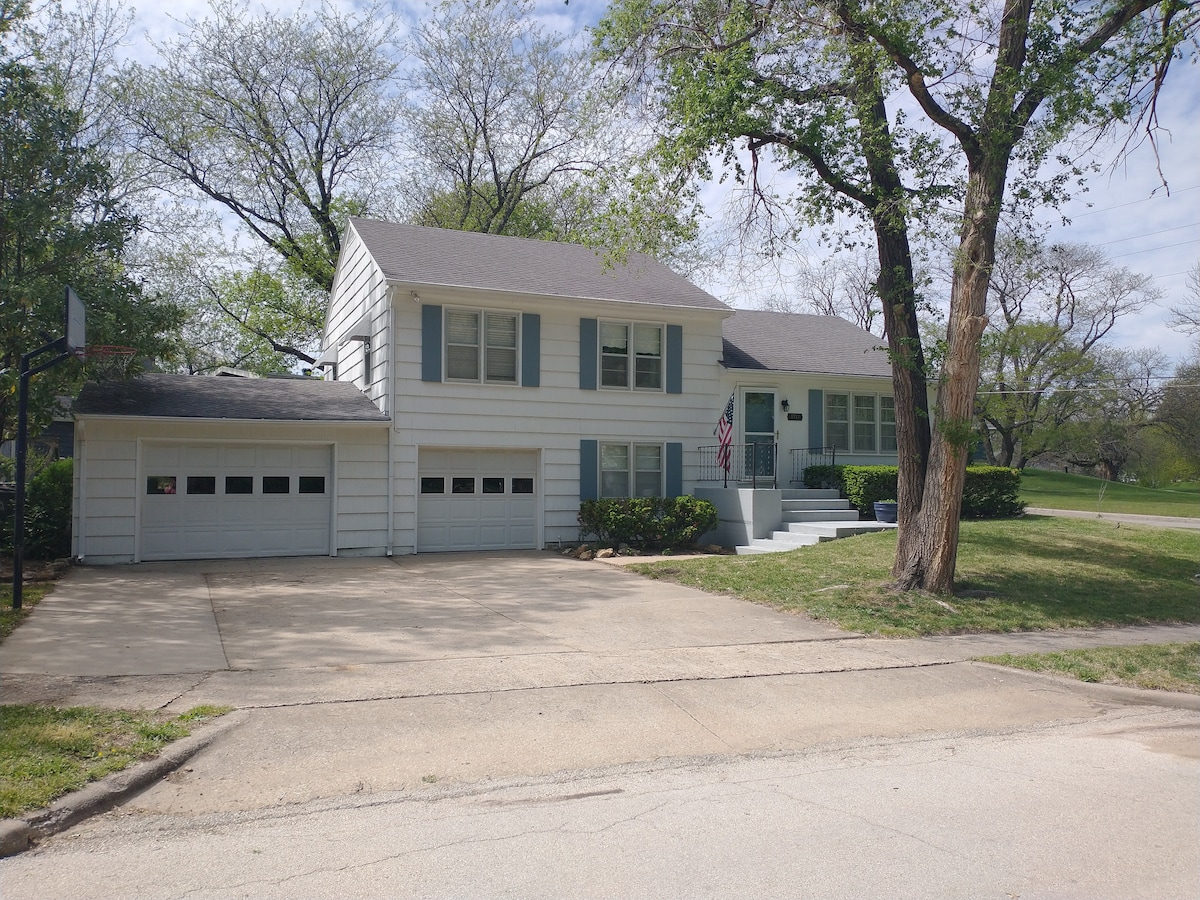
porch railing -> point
(755, 463)
(813, 456)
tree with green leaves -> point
(60, 225)
(288, 123)
(769, 78)
(996, 85)
(514, 131)
(1049, 308)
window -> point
(887, 425)
(239, 484)
(617, 476)
(201, 484)
(312, 484)
(864, 423)
(462, 485)
(433, 485)
(861, 423)
(277, 484)
(493, 485)
(522, 485)
(632, 363)
(837, 421)
(472, 349)
(160, 484)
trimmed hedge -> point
(648, 522)
(990, 492)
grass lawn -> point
(10, 618)
(46, 752)
(1057, 490)
(1164, 667)
(1025, 574)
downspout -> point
(390, 371)
(80, 503)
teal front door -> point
(759, 431)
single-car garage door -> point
(477, 500)
(206, 501)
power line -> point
(1148, 234)
(1092, 212)
(1152, 249)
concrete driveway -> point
(262, 615)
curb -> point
(1114, 692)
(19, 835)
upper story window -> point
(631, 356)
(860, 423)
(481, 344)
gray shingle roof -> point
(414, 254)
(797, 342)
(203, 397)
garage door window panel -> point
(462, 485)
(201, 484)
(493, 485)
(277, 484)
(522, 485)
(431, 485)
(160, 484)
(311, 484)
(239, 484)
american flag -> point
(725, 434)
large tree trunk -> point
(897, 292)
(926, 555)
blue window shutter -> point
(674, 469)
(589, 470)
(674, 360)
(816, 418)
(531, 350)
(587, 354)
(431, 342)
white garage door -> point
(477, 500)
(205, 501)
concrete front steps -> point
(809, 517)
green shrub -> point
(866, 484)
(824, 478)
(48, 512)
(992, 492)
(648, 522)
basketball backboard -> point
(76, 323)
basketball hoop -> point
(107, 362)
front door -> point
(759, 418)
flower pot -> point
(885, 512)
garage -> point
(477, 500)
(222, 500)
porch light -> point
(783, 404)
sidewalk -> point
(1124, 518)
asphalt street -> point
(529, 726)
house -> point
(477, 388)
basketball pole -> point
(28, 370)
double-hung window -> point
(481, 343)
(631, 470)
(837, 421)
(860, 423)
(864, 424)
(631, 356)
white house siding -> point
(360, 290)
(110, 476)
(553, 417)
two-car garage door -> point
(477, 500)
(204, 501)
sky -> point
(1144, 225)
